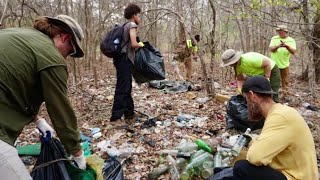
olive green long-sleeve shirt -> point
(33, 71)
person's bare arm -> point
(274, 48)
(133, 38)
(266, 64)
(290, 49)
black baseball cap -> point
(258, 84)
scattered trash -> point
(157, 172)
(171, 87)
(97, 164)
(151, 122)
(84, 138)
(191, 95)
(222, 98)
(151, 142)
(311, 107)
(112, 169)
(86, 148)
(116, 136)
(30, 149)
(110, 98)
(237, 115)
(190, 120)
(202, 100)
(28, 160)
(202, 145)
(95, 133)
(200, 159)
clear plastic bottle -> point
(197, 161)
(186, 174)
(157, 172)
(173, 168)
(172, 152)
(188, 147)
(206, 173)
(240, 143)
(198, 153)
(218, 160)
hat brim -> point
(280, 29)
(265, 92)
(236, 58)
(79, 53)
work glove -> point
(141, 44)
(81, 161)
(44, 127)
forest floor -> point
(93, 104)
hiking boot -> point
(133, 116)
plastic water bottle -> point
(199, 160)
(240, 143)
(206, 173)
(188, 147)
(116, 42)
(218, 160)
(173, 168)
(157, 172)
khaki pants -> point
(275, 82)
(188, 66)
(11, 166)
(285, 78)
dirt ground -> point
(93, 105)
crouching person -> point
(285, 148)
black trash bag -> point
(237, 115)
(223, 174)
(148, 64)
(52, 155)
(112, 169)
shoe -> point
(133, 116)
(117, 122)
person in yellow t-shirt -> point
(281, 47)
(250, 64)
(285, 148)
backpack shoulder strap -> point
(122, 35)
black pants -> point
(243, 170)
(123, 102)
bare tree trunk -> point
(212, 46)
(316, 45)
(307, 29)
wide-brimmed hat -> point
(230, 56)
(70, 25)
(258, 84)
(282, 28)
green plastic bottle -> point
(202, 145)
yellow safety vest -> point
(189, 45)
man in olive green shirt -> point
(32, 71)
(251, 64)
(281, 47)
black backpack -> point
(111, 43)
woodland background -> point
(245, 25)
